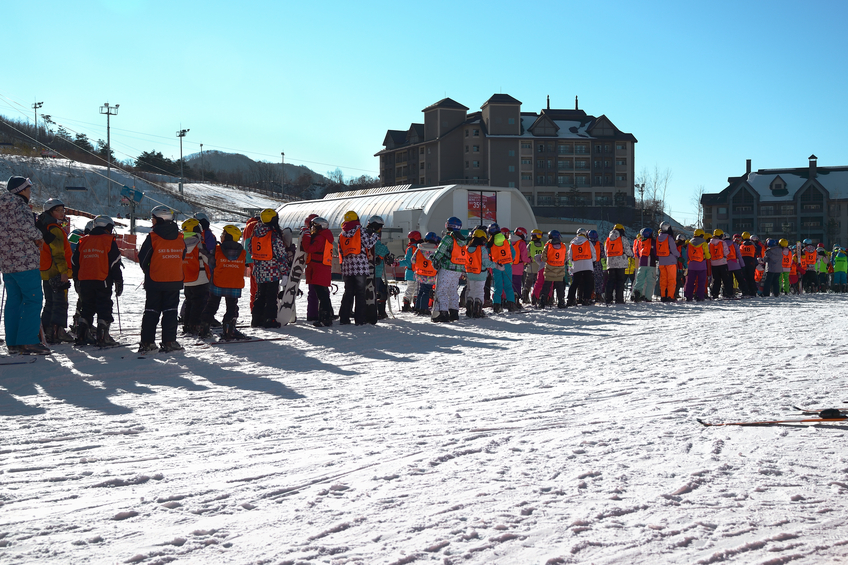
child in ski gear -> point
(55, 265)
(697, 256)
(270, 266)
(196, 273)
(581, 254)
(749, 253)
(521, 258)
(531, 271)
(774, 260)
(381, 252)
(718, 261)
(161, 258)
(311, 298)
(411, 293)
(618, 253)
(667, 255)
(249, 228)
(207, 238)
(425, 271)
(597, 264)
(554, 256)
(354, 245)
(96, 269)
(502, 256)
(734, 264)
(645, 251)
(318, 243)
(477, 264)
(449, 259)
(227, 280)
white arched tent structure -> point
(404, 208)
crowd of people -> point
(501, 269)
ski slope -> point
(555, 436)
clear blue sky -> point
(703, 86)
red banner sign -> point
(483, 206)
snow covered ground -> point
(556, 436)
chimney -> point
(813, 160)
(549, 101)
(747, 168)
(575, 103)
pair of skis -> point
(826, 415)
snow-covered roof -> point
(835, 181)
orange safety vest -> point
(614, 247)
(474, 261)
(597, 245)
(696, 252)
(794, 269)
(191, 265)
(731, 252)
(350, 245)
(645, 250)
(717, 250)
(46, 258)
(662, 248)
(748, 249)
(326, 255)
(810, 259)
(423, 266)
(93, 253)
(262, 248)
(555, 257)
(758, 273)
(516, 253)
(581, 252)
(166, 260)
(501, 254)
(458, 254)
(786, 261)
(228, 273)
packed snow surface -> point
(555, 436)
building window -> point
(811, 207)
(466, 133)
(597, 164)
(621, 146)
(743, 209)
(787, 210)
(540, 180)
(475, 164)
(606, 164)
(476, 133)
(607, 180)
(582, 165)
(583, 149)
(598, 181)
(421, 166)
(466, 149)
(526, 177)
(540, 164)
(540, 148)
(597, 149)
(563, 180)
(564, 149)
(466, 164)
(607, 149)
(527, 161)
(512, 152)
(621, 162)
(766, 210)
(475, 148)
(582, 180)
(420, 150)
(512, 168)
(526, 145)
(550, 164)
(511, 121)
(511, 184)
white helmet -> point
(103, 222)
(162, 213)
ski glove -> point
(119, 288)
(499, 267)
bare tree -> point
(696, 200)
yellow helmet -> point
(783, 242)
(267, 215)
(746, 235)
(190, 224)
(482, 233)
(618, 227)
(698, 233)
(718, 233)
(233, 231)
(535, 233)
(350, 216)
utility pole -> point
(108, 110)
(35, 108)
(641, 188)
(181, 134)
(283, 174)
(201, 163)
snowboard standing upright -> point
(286, 313)
(371, 290)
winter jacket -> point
(582, 264)
(274, 269)
(55, 238)
(408, 275)
(774, 259)
(523, 255)
(737, 264)
(649, 260)
(552, 273)
(358, 264)
(534, 248)
(230, 249)
(316, 271)
(114, 259)
(840, 262)
(672, 249)
(620, 261)
(20, 240)
(192, 241)
(714, 261)
(697, 265)
(165, 230)
(486, 263)
(442, 256)
(380, 252)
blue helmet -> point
(592, 235)
(808, 241)
(646, 233)
(771, 242)
(554, 235)
(431, 237)
(493, 229)
(453, 223)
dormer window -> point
(777, 186)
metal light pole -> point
(181, 135)
(283, 174)
(641, 188)
(201, 163)
(108, 110)
(35, 108)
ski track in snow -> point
(556, 436)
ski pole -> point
(118, 305)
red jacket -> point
(316, 271)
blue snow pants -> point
(502, 281)
(22, 314)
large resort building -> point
(809, 202)
(556, 158)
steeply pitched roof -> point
(445, 103)
(501, 99)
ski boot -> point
(60, 335)
(84, 335)
(145, 348)
(442, 317)
(203, 331)
(169, 346)
(215, 323)
(103, 337)
(34, 349)
(230, 332)
(469, 308)
(497, 308)
(454, 315)
(478, 308)
(407, 307)
(510, 307)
